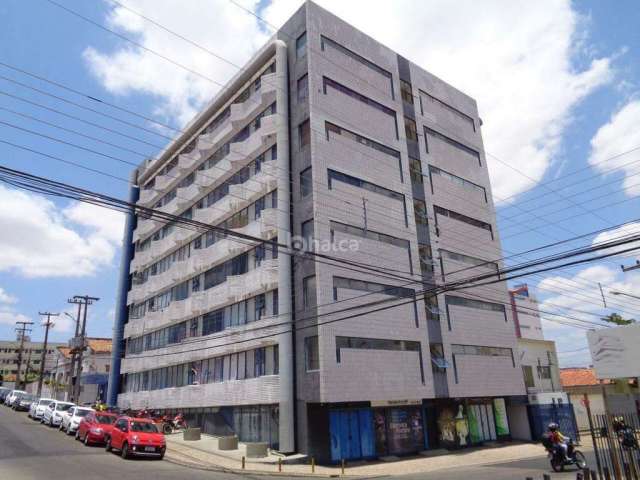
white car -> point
(72, 417)
(12, 397)
(37, 408)
(52, 415)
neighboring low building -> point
(31, 358)
(96, 364)
(545, 400)
(603, 395)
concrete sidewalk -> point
(192, 455)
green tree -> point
(618, 319)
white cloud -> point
(619, 135)
(38, 239)
(220, 27)
(618, 234)
(520, 68)
(5, 298)
(9, 317)
(580, 296)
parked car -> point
(95, 427)
(8, 401)
(52, 415)
(37, 408)
(4, 391)
(136, 437)
(71, 419)
(23, 402)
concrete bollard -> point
(313, 465)
(279, 465)
(243, 460)
(343, 465)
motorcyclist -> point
(558, 440)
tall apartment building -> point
(331, 138)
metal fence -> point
(615, 441)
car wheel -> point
(125, 451)
(107, 444)
(161, 456)
(78, 434)
(87, 443)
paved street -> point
(30, 451)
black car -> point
(4, 391)
(23, 402)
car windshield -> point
(145, 427)
(108, 419)
(63, 407)
(81, 412)
(29, 398)
(45, 402)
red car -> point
(95, 427)
(136, 437)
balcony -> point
(257, 141)
(144, 228)
(186, 161)
(139, 260)
(146, 196)
(171, 207)
(210, 176)
(136, 294)
(163, 181)
(188, 195)
(201, 260)
(241, 113)
(256, 187)
(256, 281)
(264, 227)
(213, 214)
(209, 142)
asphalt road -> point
(31, 451)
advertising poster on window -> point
(404, 430)
(500, 412)
(380, 431)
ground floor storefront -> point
(374, 430)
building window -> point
(415, 170)
(544, 372)
(428, 132)
(461, 218)
(309, 292)
(306, 182)
(304, 134)
(438, 362)
(527, 372)
(301, 45)
(410, 129)
(259, 361)
(311, 354)
(261, 306)
(406, 92)
(307, 234)
(303, 88)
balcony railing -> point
(257, 186)
(249, 148)
(242, 112)
(264, 227)
(261, 279)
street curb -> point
(239, 471)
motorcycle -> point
(177, 423)
(557, 459)
(626, 435)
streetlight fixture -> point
(614, 292)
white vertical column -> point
(285, 340)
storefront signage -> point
(500, 411)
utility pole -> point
(48, 324)
(22, 330)
(85, 300)
(73, 354)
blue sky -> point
(547, 79)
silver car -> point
(37, 408)
(53, 413)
